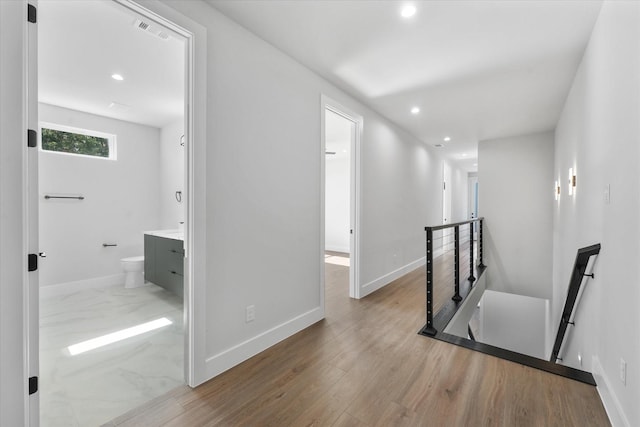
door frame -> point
(191, 374)
(194, 129)
(327, 103)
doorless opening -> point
(341, 132)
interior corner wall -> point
(121, 200)
(263, 192)
(516, 183)
(599, 136)
(172, 176)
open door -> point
(354, 124)
(33, 295)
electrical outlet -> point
(623, 371)
(607, 194)
(250, 313)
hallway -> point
(365, 365)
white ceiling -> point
(82, 43)
(477, 69)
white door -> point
(447, 234)
(33, 306)
(473, 201)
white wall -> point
(514, 322)
(262, 184)
(337, 202)
(121, 199)
(516, 195)
(599, 135)
(172, 177)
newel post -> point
(471, 276)
(429, 329)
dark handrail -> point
(429, 328)
(443, 226)
(579, 267)
(63, 197)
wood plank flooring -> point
(365, 365)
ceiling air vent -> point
(150, 29)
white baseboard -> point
(390, 277)
(237, 354)
(611, 403)
(70, 287)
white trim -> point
(237, 354)
(327, 103)
(67, 288)
(196, 57)
(380, 282)
(609, 399)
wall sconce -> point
(556, 190)
(572, 182)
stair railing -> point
(429, 328)
(579, 268)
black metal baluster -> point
(471, 276)
(456, 264)
(481, 247)
(429, 329)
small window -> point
(80, 142)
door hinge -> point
(32, 138)
(444, 185)
(33, 385)
(32, 262)
(31, 13)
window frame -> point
(111, 138)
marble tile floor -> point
(92, 388)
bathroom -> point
(94, 211)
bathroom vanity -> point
(164, 259)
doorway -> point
(447, 234)
(341, 130)
(111, 198)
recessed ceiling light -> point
(447, 139)
(408, 11)
(415, 110)
(117, 77)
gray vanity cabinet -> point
(164, 263)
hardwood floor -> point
(365, 365)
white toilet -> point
(133, 268)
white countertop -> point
(167, 234)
